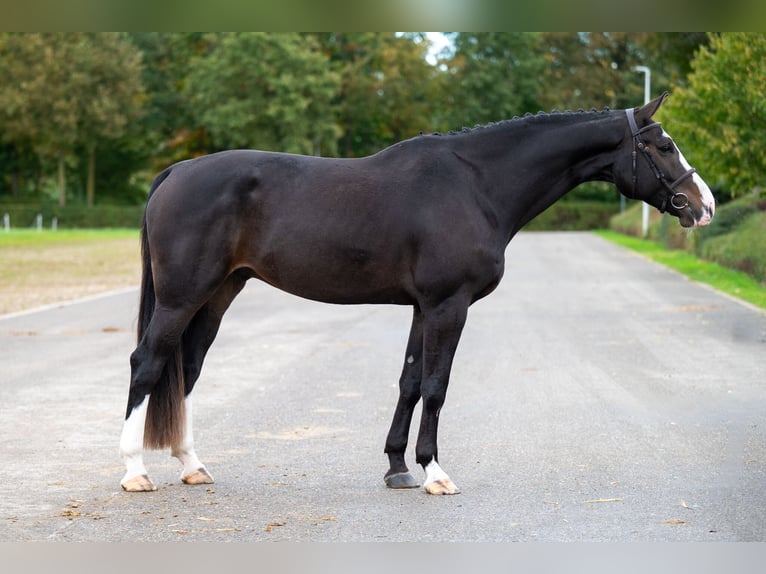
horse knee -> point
(433, 399)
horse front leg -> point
(398, 475)
(442, 328)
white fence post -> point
(54, 224)
(7, 222)
(39, 222)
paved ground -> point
(595, 397)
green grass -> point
(46, 237)
(39, 268)
(728, 281)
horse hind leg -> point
(197, 339)
(136, 478)
(194, 472)
(154, 361)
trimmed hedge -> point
(575, 215)
(563, 216)
(75, 216)
(744, 248)
(736, 238)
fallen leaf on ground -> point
(597, 500)
(674, 521)
(272, 525)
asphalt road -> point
(596, 396)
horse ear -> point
(648, 110)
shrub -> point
(74, 216)
(744, 248)
(574, 216)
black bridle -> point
(677, 199)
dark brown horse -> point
(423, 223)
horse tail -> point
(165, 414)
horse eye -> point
(665, 147)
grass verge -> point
(29, 237)
(39, 268)
(728, 281)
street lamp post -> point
(647, 95)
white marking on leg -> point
(194, 472)
(434, 472)
(132, 442)
(437, 481)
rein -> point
(677, 199)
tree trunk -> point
(90, 188)
(62, 180)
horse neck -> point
(528, 164)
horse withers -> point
(423, 223)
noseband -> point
(677, 199)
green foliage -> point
(63, 90)
(74, 216)
(134, 103)
(575, 215)
(721, 115)
(591, 70)
(730, 216)
(493, 76)
(736, 238)
(267, 91)
(388, 91)
(743, 248)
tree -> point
(168, 127)
(388, 91)
(59, 90)
(585, 70)
(264, 90)
(109, 93)
(721, 115)
(493, 76)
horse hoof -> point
(199, 476)
(401, 480)
(444, 486)
(140, 483)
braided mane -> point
(539, 116)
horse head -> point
(654, 170)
